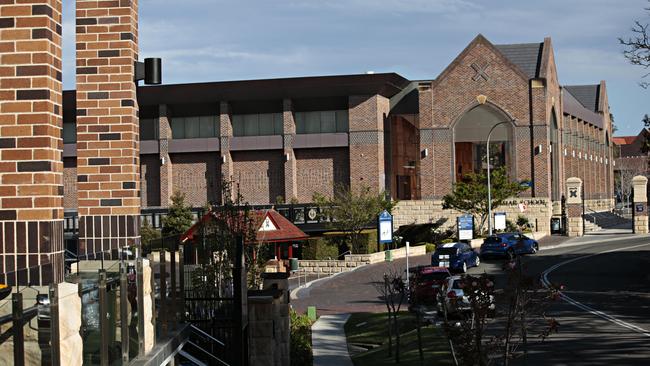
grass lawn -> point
(434, 345)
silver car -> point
(454, 298)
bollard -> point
(311, 313)
(124, 312)
(103, 319)
(19, 335)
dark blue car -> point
(508, 245)
(457, 257)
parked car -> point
(427, 281)
(457, 257)
(508, 244)
(455, 299)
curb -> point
(618, 237)
(293, 295)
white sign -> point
(499, 220)
(268, 225)
(385, 231)
(522, 207)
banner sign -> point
(499, 221)
(385, 228)
(465, 227)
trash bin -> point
(293, 264)
(389, 256)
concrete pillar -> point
(575, 225)
(164, 137)
(288, 135)
(31, 166)
(640, 184)
(108, 146)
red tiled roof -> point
(283, 230)
(623, 140)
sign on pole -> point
(466, 227)
(499, 221)
(385, 228)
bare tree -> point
(392, 290)
(628, 168)
(637, 47)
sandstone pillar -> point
(575, 224)
(164, 137)
(69, 323)
(288, 135)
(639, 185)
(31, 165)
(108, 148)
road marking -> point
(589, 309)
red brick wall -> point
(366, 121)
(260, 175)
(108, 165)
(31, 166)
(197, 176)
(319, 170)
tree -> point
(470, 195)
(392, 289)
(352, 211)
(637, 47)
(148, 233)
(629, 168)
(179, 217)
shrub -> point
(319, 249)
(448, 240)
(300, 328)
(523, 223)
(432, 232)
(511, 226)
(366, 243)
(430, 248)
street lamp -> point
(487, 158)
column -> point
(31, 165)
(288, 136)
(427, 163)
(574, 193)
(166, 167)
(639, 185)
(226, 134)
(108, 166)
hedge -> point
(333, 244)
(319, 248)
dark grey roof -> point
(587, 95)
(527, 56)
(572, 106)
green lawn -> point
(435, 347)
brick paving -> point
(351, 292)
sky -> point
(215, 40)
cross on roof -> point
(480, 72)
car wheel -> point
(535, 248)
(464, 269)
(477, 262)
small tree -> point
(179, 217)
(392, 290)
(637, 47)
(352, 211)
(148, 233)
(470, 195)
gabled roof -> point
(527, 56)
(587, 95)
(571, 105)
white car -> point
(455, 299)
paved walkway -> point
(328, 341)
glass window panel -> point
(238, 125)
(278, 122)
(192, 127)
(266, 124)
(342, 121)
(251, 125)
(300, 122)
(69, 133)
(217, 126)
(312, 122)
(178, 128)
(206, 124)
(148, 129)
(327, 121)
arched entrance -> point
(470, 137)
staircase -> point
(605, 221)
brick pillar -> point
(574, 193)
(639, 185)
(31, 165)
(427, 164)
(367, 141)
(108, 167)
(224, 142)
(289, 134)
(166, 173)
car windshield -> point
(493, 240)
(447, 251)
(434, 276)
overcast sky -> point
(213, 40)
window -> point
(148, 129)
(321, 122)
(69, 133)
(195, 127)
(263, 124)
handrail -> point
(201, 332)
(207, 353)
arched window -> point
(470, 137)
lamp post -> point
(487, 158)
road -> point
(606, 322)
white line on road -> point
(584, 307)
